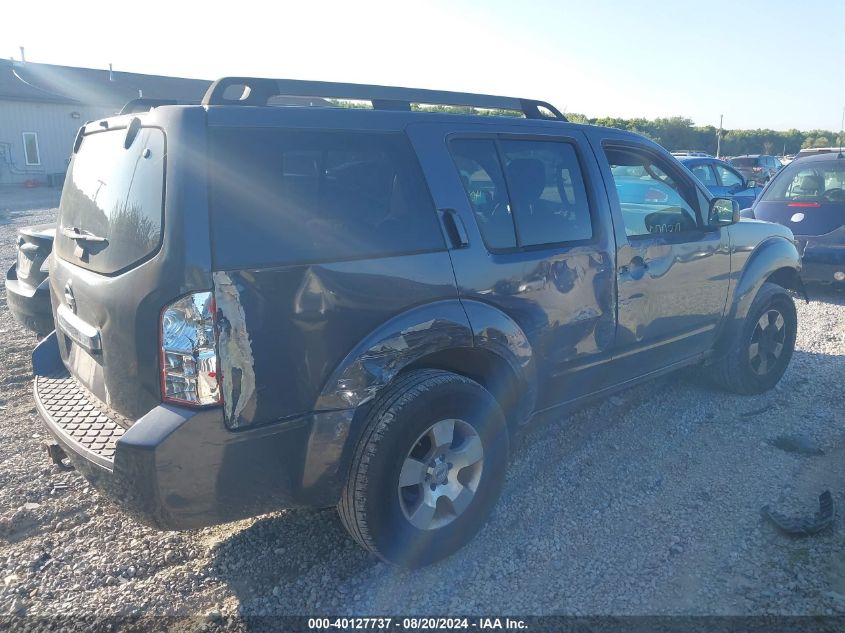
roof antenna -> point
(23, 56)
(111, 75)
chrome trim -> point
(78, 330)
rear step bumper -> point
(178, 468)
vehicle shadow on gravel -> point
(288, 562)
(617, 476)
(834, 295)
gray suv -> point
(261, 303)
(756, 168)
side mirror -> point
(750, 183)
(723, 212)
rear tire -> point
(760, 347)
(427, 470)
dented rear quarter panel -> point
(289, 334)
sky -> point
(761, 63)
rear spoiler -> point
(145, 105)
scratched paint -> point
(235, 347)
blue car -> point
(722, 180)
(808, 196)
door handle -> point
(455, 228)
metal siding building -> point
(42, 106)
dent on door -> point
(668, 289)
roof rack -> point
(258, 91)
(145, 104)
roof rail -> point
(258, 91)
(145, 104)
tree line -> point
(679, 133)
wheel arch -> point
(492, 371)
(775, 260)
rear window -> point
(282, 196)
(745, 162)
(114, 197)
(817, 181)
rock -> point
(796, 443)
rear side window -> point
(114, 196)
(484, 181)
(704, 173)
(282, 196)
(524, 193)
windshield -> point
(818, 181)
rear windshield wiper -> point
(75, 233)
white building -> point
(42, 106)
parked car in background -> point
(813, 151)
(27, 286)
(757, 167)
(808, 196)
(690, 152)
(721, 179)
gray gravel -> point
(645, 504)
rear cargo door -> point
(111, 276)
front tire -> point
(427, 470)
(760, 347)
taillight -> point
(189, 351)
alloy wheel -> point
(767, 342)
(440, 474)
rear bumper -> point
(821, 261)
(180, 468)
(29, 305)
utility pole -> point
(719, 136)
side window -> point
(705, 174)
(536, 185)
(298, 196)
(481, 173)
(652, 201)
(728, 177)
(547, 192)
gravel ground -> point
(645, 504)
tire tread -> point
(353, 499)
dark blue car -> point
(721, 179)
(808, 196)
